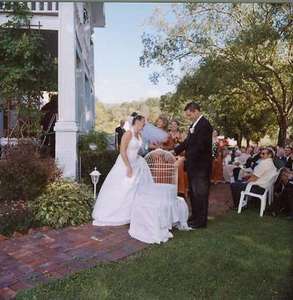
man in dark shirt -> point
(288, 158)
(287, 193)
(119, 131)
(284, 190)
(288, 190)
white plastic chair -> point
(268, 194)
(274, 180)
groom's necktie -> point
(188, 135)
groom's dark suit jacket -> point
(198, 148)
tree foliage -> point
(27, 67)
(236, 113)
(243, 52)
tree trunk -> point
(8, 119)
(283, 126)
(247, 142)
(238, 138)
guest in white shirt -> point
(227, 166)
(261, 176)
(240, 160)
(243, 156)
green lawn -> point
(237, 257)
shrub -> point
(104, 161)
(63, 203)
(20, 221)
(96, 137)
(24, 174)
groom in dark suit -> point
(198, 163)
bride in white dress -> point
(115, 201)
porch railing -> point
(37, 7)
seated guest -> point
(287, 197)
(244, 155)
(283, 192)
(280, 153)
(254, 159)
(287, 194)
(241, 158)
(283, 186)
(229, 158)
(260, 177)
(237, 166)
(288, 157)
(231, 169)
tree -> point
(27, 68)
(234, 112)
(254, 42)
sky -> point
(118, 46)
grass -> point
(237, 257)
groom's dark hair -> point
(192, 106)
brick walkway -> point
(220, 200)
(43, 255)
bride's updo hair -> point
(137, 118)
(134, 114)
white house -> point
(68, 28)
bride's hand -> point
(129, 172)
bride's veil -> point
(128, 123)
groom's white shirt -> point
(196, 122)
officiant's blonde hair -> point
(165, 121)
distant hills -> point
(108, 116)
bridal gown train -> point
(138, 201)
(116, 198)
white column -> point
(67, 127)
(93, 86)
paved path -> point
(26, 261)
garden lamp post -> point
(95, 175)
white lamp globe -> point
(95, 175)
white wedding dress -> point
(116, 198)
(150, 208)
